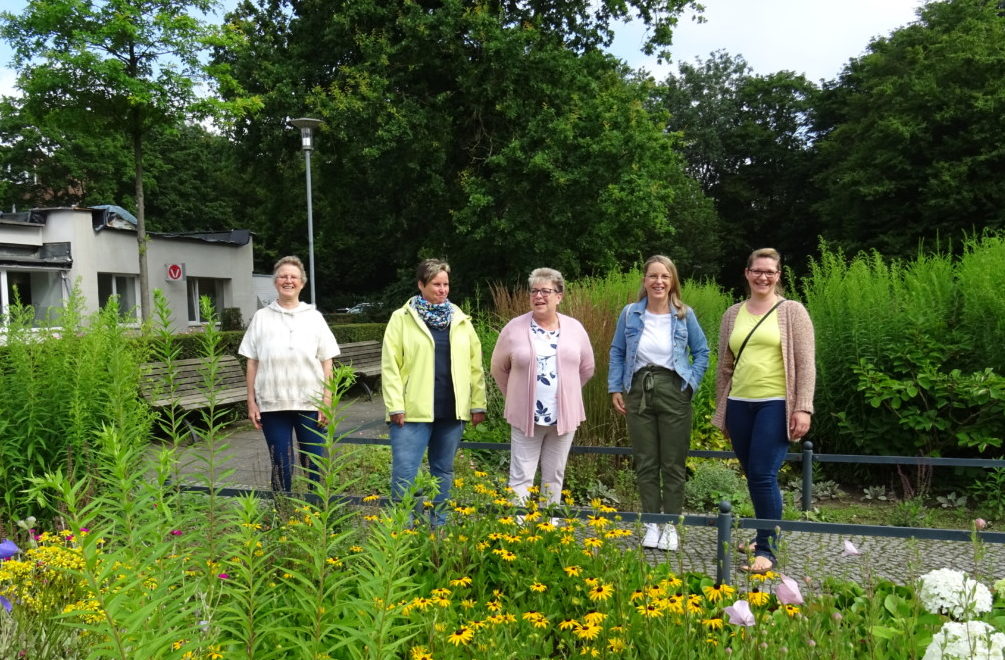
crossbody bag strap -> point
(754, 329)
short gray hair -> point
(290, 261)
(430, 268)
(547, 275)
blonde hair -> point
(675, 299)
(767, 253)
(290, 261)
(547, 275)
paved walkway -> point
(803, 554)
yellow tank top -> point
(760, 374)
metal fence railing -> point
(724, 521)
(807, 456)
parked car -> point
(363, 308)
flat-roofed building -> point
(45, 252)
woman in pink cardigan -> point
(541, 362)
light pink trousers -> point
(547, 447)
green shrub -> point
(909, 355)
(711, 482)
(911, 512)
(231, 319)
(351, 332)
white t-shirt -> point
(656, 343)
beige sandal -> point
(760, 565)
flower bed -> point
(225, 579)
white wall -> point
(201, 259)
(115, 251)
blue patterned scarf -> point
(436, 316)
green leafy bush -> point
(351, 332)
(711, 482)
(909, 355)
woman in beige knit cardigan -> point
(764, 389)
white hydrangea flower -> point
(973, 640)
(945, 591)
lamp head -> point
(306, 126)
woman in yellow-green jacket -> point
(432, 382)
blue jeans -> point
(278, 427)
(409, 443)
(759, 432)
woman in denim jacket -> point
(658, 357)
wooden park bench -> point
(190, 387)
(364, 358)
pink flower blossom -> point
(850, 550)
(175, 532)
(740, 614)
(223, 576)
(980, 523)
(788, 592)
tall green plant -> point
(62, 383)
(982, 302)
(906, 351)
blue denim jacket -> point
(686, 333)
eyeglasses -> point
(542, 292)
(763, 273)
(288, 277)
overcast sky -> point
(812, 37)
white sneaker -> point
(557, 522)
(668, 539)
(652, 537)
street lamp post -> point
(307, 126)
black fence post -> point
(807, 475)
(724, 525)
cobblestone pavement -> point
(812, 556)
(803, 555)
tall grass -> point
(158, 572)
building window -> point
(39, 289)
(204, 286)
(122, 286)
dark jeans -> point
(759, 433)
(278, 428)
(659, 426)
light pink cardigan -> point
(514, 357)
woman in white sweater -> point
(289, 347)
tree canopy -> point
(495, 135)
(746, 138)
(500, 135)
(101, 75)
(911, 142)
